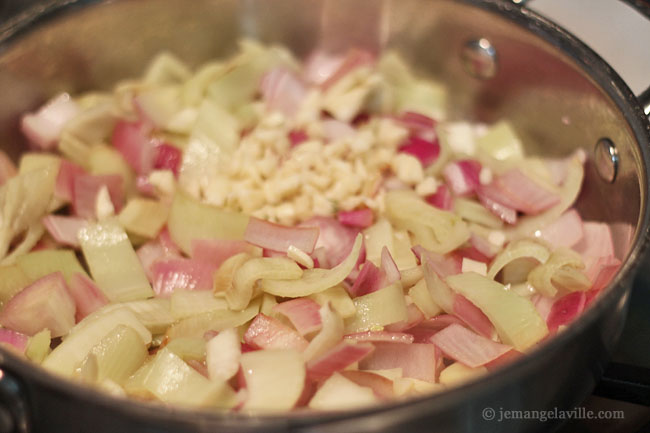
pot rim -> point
(588, 61)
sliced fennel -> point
(118, 355)
(315, 280)
(24, 199)
(143, 217)
(186, 303)
(189, 219)
(155, 313)
(562, 268)
(515, 318)
(171, 380)
(338, 298)
(188, 348)
(219, 320)
(67, 356)
(423, 300)
(38, 264)
(437, 230)
(106, 248)
(377, 309)
(267, 268)
(516, 250)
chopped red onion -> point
(277, 237)
(336, 359)
(64, 229)
(463, 345)
(265, 332)
(87, 296)
(170, 274)
(441, 198)
(462, 176)
(43, 128)
(566, 309)
(282, 90)
(361, 218)
(303, 313)
(425, 150)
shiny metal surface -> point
(557, 93)
(480, 58)
(606, 159)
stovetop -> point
(620, 35)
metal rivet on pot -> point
(480, 58)
(606, 159)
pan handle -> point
(13, 405)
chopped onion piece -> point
(44, 127)
(418, 361)
(336, 359)
(458, 373)
(471, 349)
(389, 267)
(370, 279)
(566, 309)
(268, 333)
(133, 141)
(441, 198)
(87, 189)
(282, 90)
(426, 151)
(170, 274)
(303, 313)
(278, 238)
(68, 171)
(330, 334)
(462, 176)
(361, 218)
(64, 229)
(168, 157)
(381, 386)
(268, 371)
(46, 303)
(341, 393)
(566, 231)
(223, 353)
(217, 251)
(87, 296)
(16, 340)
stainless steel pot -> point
(498, 59)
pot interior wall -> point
(555, 106)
